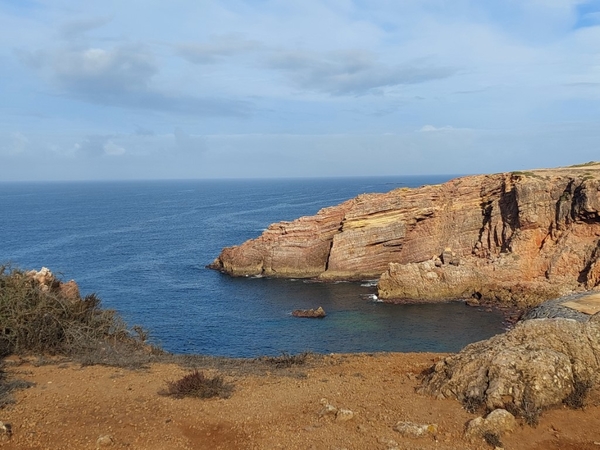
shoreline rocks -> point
(513, 238)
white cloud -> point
(16, 144)
(122, 76)
(431, 128)
(353, 72)
(76, 28)
(112, 149)
(216, 49)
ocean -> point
(142, 246)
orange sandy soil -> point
(71, 406)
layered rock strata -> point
(515, 237)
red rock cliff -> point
(502, 236)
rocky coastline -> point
(515, 238)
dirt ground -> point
(89, 407)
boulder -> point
(498, 422)
(318, 313)
(538, 364)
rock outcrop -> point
(538, 364)
(518, 237)
(48, 282)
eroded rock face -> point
(477, 235)
(536, 365)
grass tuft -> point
(196, 384)
(492, 439)
(576, 399)
(286, 360)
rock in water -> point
(538, 364)
(517, 237)
(318, 313)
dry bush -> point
(286, 360)
(36, 319)
(492, 439)
(474, 404)
(196, 384)
(577, 398)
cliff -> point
(517, 237)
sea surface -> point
(142, 246)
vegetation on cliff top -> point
(39, 318)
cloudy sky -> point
(140, 89)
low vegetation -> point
(286, 360)
(42, 319)
(196, 384)
(589, 163)
(577, 398)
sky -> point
(147, 89)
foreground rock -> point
(497, 423)
(518, 237)
(538, 364)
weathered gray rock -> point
(534, 366)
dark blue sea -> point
(142, 247)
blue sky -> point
(196, 89)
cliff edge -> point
(516, 237)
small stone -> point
(105, 441)
(447, 255)
(328, 410)
(415, 430)
(343, 415)
(5, 429)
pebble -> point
(105, 441)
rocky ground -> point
(88, 407)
